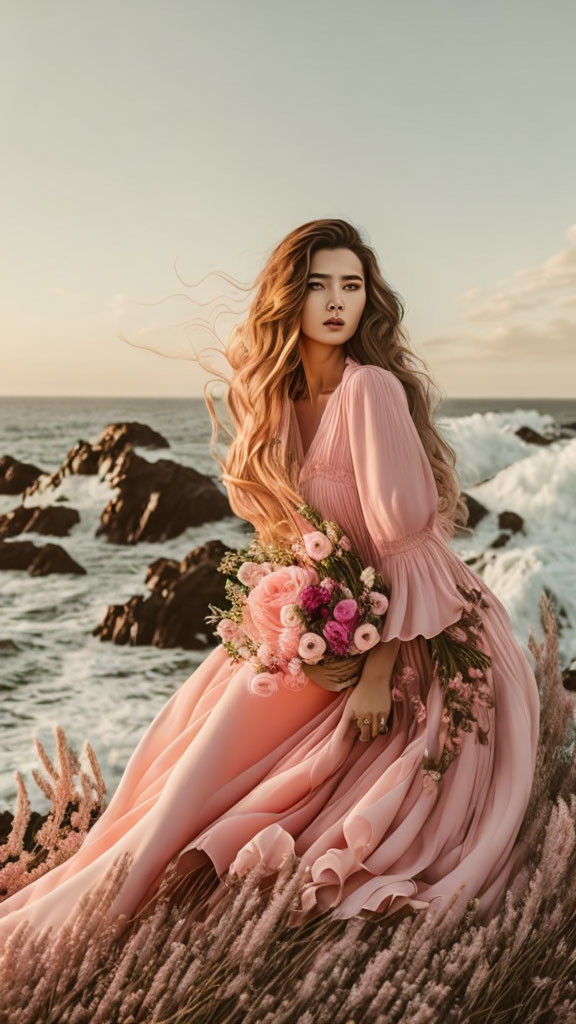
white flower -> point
(289, 615)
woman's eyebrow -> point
(343, 277)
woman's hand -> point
(368, 706)
(371, 698)
(337, 674)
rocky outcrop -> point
(16, 476)
(173, 615)
(38, 560)
(158, 500)
(476, 511)
(532, 436)
(87, 459)
(51, 520)
(510, 521)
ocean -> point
(53, 671)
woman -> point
(336, 416)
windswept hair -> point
(259, 471)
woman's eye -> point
(312, 284)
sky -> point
(150, 144)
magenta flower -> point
(313, 597)
(338, 636)
(345, 611)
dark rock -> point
(51, 520)
(87, 459)
(174, 613)
(476, 510)
(38, 561)
(500, 540)
(532, 436)
(158, 500)
(569, 678)
(16, 476)
(510, 521)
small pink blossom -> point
(419, 708)
(264, 684)
(475, 673)
(228, 629)
(346, 610)
(317, 545)
(344, 543)
(330, 585)
(366, 636)
(378, 602)
(250, 573)
(266, 654)
(338, 636)
(311, 648)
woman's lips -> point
(335, 327)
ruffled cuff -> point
(422, 571)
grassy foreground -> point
(208, 952)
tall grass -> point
(206, 951)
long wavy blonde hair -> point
(259, 471)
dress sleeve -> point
(399, 499)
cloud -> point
(548, 286)
(556, 340)
(503, 334)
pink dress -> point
(246, 779)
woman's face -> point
(335, 288)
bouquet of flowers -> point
(310, 603)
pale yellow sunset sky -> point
(138, 136)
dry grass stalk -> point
(202, 951)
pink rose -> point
(378, 602)
(250, 573)
(317, 545)
(311, 648)
(263, 606)
(366, 636)
(345, 610)
(228, 629)
(263, 684)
